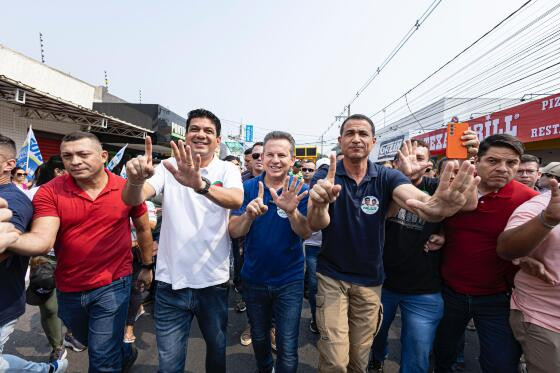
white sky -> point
(289, 65)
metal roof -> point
(35, 104)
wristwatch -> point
(207, 184)
(148, 266)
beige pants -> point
(348, 317)
(541, 346)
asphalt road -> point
(29, 342)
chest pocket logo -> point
(369, 205)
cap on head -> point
(552, 168)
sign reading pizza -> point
(534, 121)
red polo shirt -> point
(470, 264)
(93, 245)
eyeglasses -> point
(308, 170)
(256, 156)
(528, 172)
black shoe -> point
(131, 359)
(375, 367)
(313, 327)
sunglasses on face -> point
(21, 174)
(256, 156)
(308, 170)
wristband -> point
(543, 221)
(148, 266)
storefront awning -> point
(35, 104)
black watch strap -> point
(148, 266)
(207, 185)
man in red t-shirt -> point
(477, 282)
(82, 216)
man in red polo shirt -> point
(477, 282)
(83, 217)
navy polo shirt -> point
(13, 268)
(273, 252)
(352, 248)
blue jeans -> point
(174, 312)
(311, 253)
(420, 315)
(97, 319)
(283, 302)
(499, 351)
(15, 364)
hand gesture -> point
(140, 169)
(535, 268)
(145, 277)
(290, 197)
(471, 142)
(449, 198)
(552, 211)
(8, 234)
(326, 191)
(187, 172)
(256, 207)
(434, 243)
(408, 163)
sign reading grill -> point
(388, 148)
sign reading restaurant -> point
(533, 121)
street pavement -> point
(29, 342)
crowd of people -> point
(446, 243)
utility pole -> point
(322, 143)
(348, 107)
(106, 80)
(42, 49)
(140, 95)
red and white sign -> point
(534, 121)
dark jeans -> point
(283, 303)
(97, 318)
(499, 351)
(136, 295)
(237, 247)
(420, 314)
(174, 312)
(311, 253)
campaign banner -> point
(388, 149)
(29, 156)
(533, 121)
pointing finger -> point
(261, 190)
(332, 168)
(148, 148)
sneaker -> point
(59, 366)
(375, 366)
(241, 306)
(313, 327)
(273, 339)
(246, 336)
(58, 354)
(131, 359)
(73, 343)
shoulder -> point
(522, 192)
(15, 196)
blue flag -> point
(29, 157)
(116, 159)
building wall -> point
(15, 126)
(19, 67)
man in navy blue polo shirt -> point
(273, 223)
(349, 203)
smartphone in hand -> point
(455, 148)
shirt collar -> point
(70, 184)
(504, 193)
(370, 173)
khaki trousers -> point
(348, 318)
(541, 346)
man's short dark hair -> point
(358, 117)
(526, 158)
(79, 135)
(248, 151)
(501, 140)
(231, 157)
(258, 143)
(9, 146)
(281, 135)
(203, 113)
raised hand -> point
(140, 169)
(290, 197)
(471, 142)
(552, 211)
(326, 191)
(408, 163)
(449, 198)
(256, 207)
(8, 234)
(187, 172)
